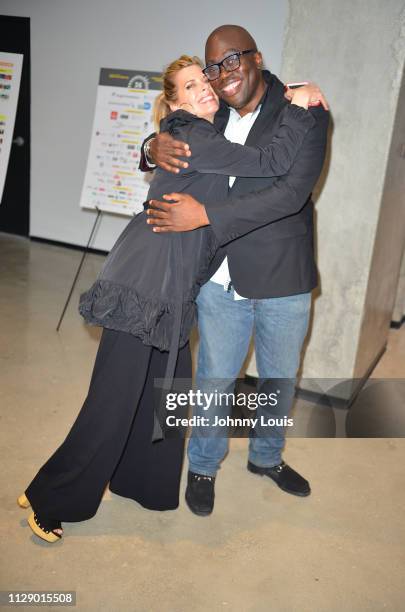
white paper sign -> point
(10, 77)
(123, 119)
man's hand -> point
(184, 214)
(165, 151)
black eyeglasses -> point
(230, 63)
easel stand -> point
(86, 250)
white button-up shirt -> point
(237, 130)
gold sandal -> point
(45, 528)
(23, 502)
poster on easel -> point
(10, 77)
(122, 120)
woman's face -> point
(194, 93)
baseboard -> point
(250, 381)
(67, 245)
(397, 324)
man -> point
(265, 268)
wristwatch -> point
(146, 150)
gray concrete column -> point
(355, 51)
(399, 309)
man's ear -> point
(258, 59)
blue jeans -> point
(225, 327)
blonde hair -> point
(161, 106)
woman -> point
(144, 298)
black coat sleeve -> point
(237, 216)
(212, 153)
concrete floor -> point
(341, 549)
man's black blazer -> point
(265, 226)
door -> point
(15, 204)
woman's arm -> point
(211, 152)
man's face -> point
(236, 88)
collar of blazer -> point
(271, 100)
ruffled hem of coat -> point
(120, 308)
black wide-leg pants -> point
(110, 441)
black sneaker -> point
(200, 493)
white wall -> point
(70, 41)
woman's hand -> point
(307, 95)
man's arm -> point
(237, 216)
